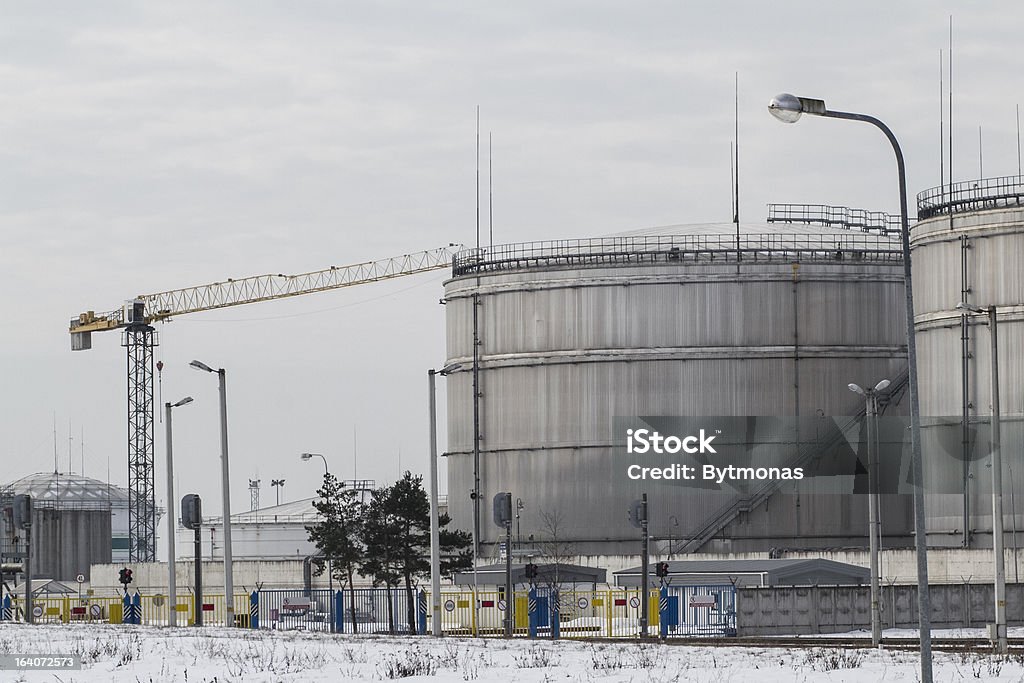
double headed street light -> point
(874, 532)
(788, 109)
(997, 476)
(172, 585)
(229, 582)
(277, 484)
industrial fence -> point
(971, 195)
(539, 612)
(784, 610)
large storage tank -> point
(968, 245)
(672, 321)
(76, 522)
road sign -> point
(37, 611)
(96, 611)
(634, 602)
(502, 605)
(80, 578)
(449, 605)
(703, 601)
(582, 603)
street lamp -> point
(997, 476)
(435, 528)
(788, 108)
(172, 585)
(874, 530)
(277, 484)
(229, 582)
(306, 457)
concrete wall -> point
(836, 609)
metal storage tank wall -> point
(564, 349)
(987, 214)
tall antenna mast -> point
(951, 107)
(490, 192)
(71, 467)
(1018, 141)
(942, 133)
(736, 132)
(478, 177)
(55, 468)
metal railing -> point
(971, 195)
(648, 249)
(836, 217)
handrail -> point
(971, 195)
(678, 248)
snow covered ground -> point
(149, 654)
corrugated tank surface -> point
(573, 334)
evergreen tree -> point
(339, 534)
(396, 534)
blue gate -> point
(700, 611)
(318, 610)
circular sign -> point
(37, 611)
(80, 578)
(285, 602)
(502, 605)
(449, 605)
(96, 611)
(582, 603)
(158, 600)
(634, 602)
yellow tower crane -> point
(139, 337)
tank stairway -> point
(720, 519)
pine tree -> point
(397, 539)
(339, 534)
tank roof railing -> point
(971, 195)
(842, 217)
(646, 249)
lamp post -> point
(874, 532)
(278, 484)
(229, 582)
(788, 108)
(435, 523)
(306, 457)
(172, 585)
(997, 477)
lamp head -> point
(855, 388)
(786, 108)
(182, 402)
(199, 365)
(882, 386)
(306, 456)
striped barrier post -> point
(662, 606)
(421, 602)
(531, 610)
(137, 608)
(5, 613)
(126, 610)
(555, 607)
(254, 610)
(339, 611)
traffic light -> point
(192, 511)
(125, 577)
(531, 571)
(661, 569)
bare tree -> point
(555, 546)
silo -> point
(968, 246)
(73, 519)
(682, 320)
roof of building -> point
(69, 489)
(769, 572)
(494, 574)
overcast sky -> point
(151, 146)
